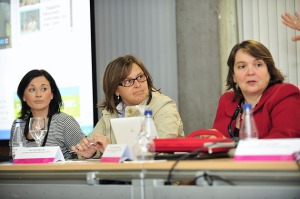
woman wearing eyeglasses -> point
(127, 83)
(254, 79)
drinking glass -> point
(38, 129)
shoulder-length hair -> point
(259, 51)
(55, 103)
(116, 72)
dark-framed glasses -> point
(130, 82)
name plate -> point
(117, 153)
(38, 155)
(267, 149)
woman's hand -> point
(84, 148)
(87, 148)
(100, 142)
(292, 22)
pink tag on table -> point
(267, 149)
(29, 155)
(117, 153)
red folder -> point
(193, 142)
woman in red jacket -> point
(254, 79)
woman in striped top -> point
(40, 97)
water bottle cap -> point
(19, 121)
(148, 112)
(248, 106)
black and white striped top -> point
(64, 131)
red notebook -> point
(193, 142)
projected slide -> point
(46, 34)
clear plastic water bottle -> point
(149, 124)
(248, 128)
(18, 138)
(144, 146)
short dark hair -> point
(116, 72)
(55, 104)
(259, 51)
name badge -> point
(117, 153)
(267, 149)
(38, 155)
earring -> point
(118, 97)
(237, 87)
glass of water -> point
(38, 129)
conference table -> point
(212, 178)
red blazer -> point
(277, 114)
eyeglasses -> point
(130, 82)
